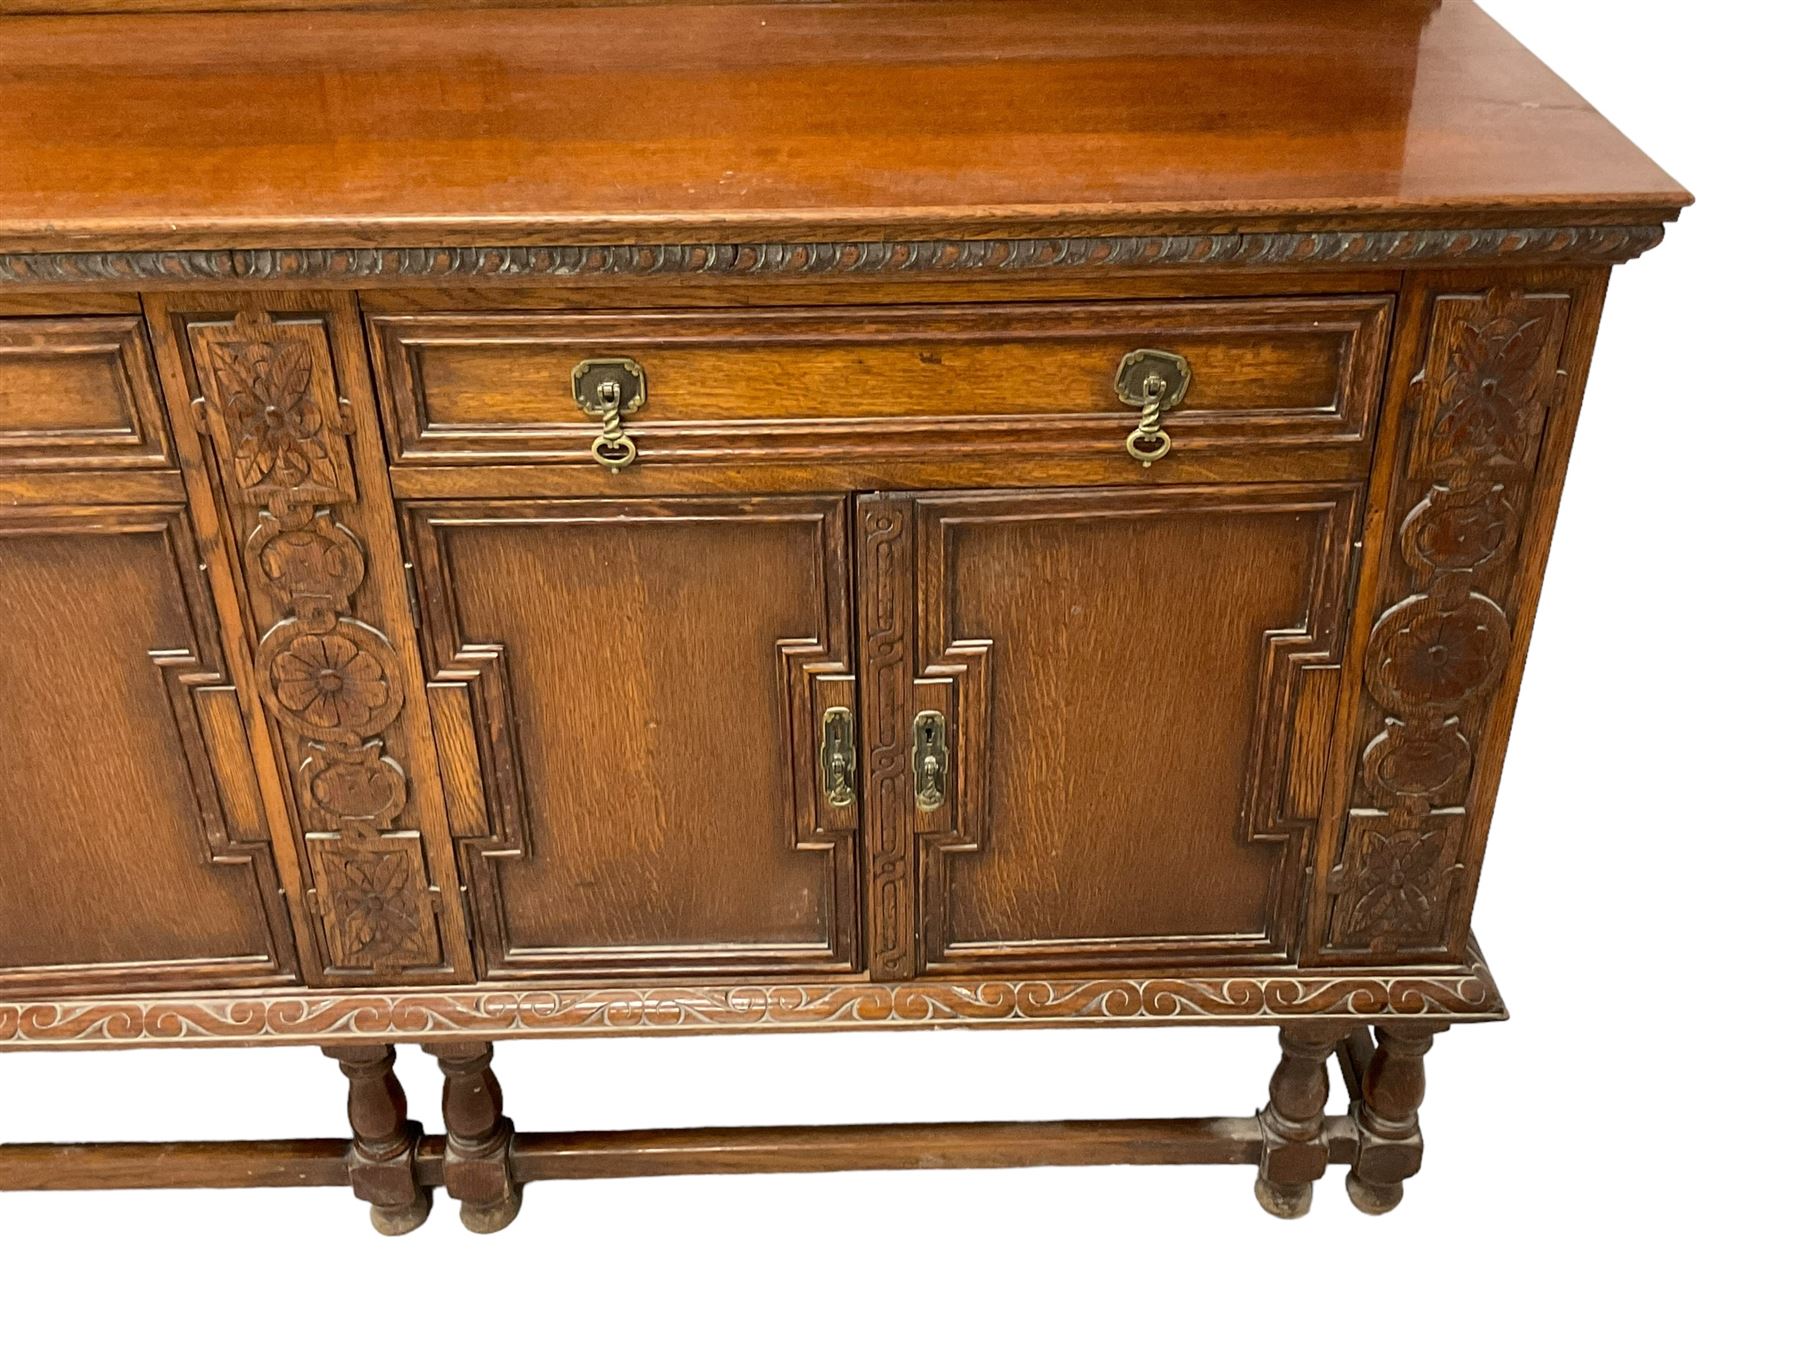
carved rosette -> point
(1476, 414)
(331, 681)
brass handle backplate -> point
(1154, 382)
(931, 761)
(837, 757)
(608, 388)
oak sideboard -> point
(658, 518)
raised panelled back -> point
(132, 847)
(78, 393)
(1132, 676)
(628, 699)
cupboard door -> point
(1122, 700)
(134, 851)
(629, 699)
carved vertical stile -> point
(884, 531)
(269, 379)
(1477, 457)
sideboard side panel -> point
(1483, 393)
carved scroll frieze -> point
(332, 681)
(1441, 643)
(1462, 993)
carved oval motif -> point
(1459, 529)
(1405, 762)
(342, 684)
(1423, 656)
(318, 557)
(361, 785)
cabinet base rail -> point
(483, 1162)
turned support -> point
(478, 1148)
(1295, 1151)
(385, 1143)
(1389, 1147)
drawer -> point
(898, 380)
(78, 393)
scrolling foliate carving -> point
(332, 681)
(1462, 993)
(1476, 416)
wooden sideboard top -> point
(737, 122)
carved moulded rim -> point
(1366, 248)
(1462, 994)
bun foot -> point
(1284, 1202)
(491, 1218)
(1373, 1197)
(394, 1220)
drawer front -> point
(904, 380)
(78, 394)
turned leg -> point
(384, 1141)
(1389, 1147)
(1293, 1123)
(478, 1150)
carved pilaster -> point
(884, 527)
(276, 390)
(384, 1142)
(1469, 472)
(1389, 1147)
(478, 1150)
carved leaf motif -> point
(1394, 882)
(276, 423)
(373, 896)
(1491, 403)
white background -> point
(1614, 1164)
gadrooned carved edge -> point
(1463, 994)
(1575, 243)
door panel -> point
(1137, 689)
(133, 846)
(628, 699)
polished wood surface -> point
(350, 701)
(651, 678)
(133, 851)
(740, 122)
(1121, 729)
(761, 386)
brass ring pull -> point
(1148, 442)
(1155, 383)
(608, 388)
(612, 447)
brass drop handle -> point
(1154, 382)
(837, 757)
(608, 388)
(931, 761)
